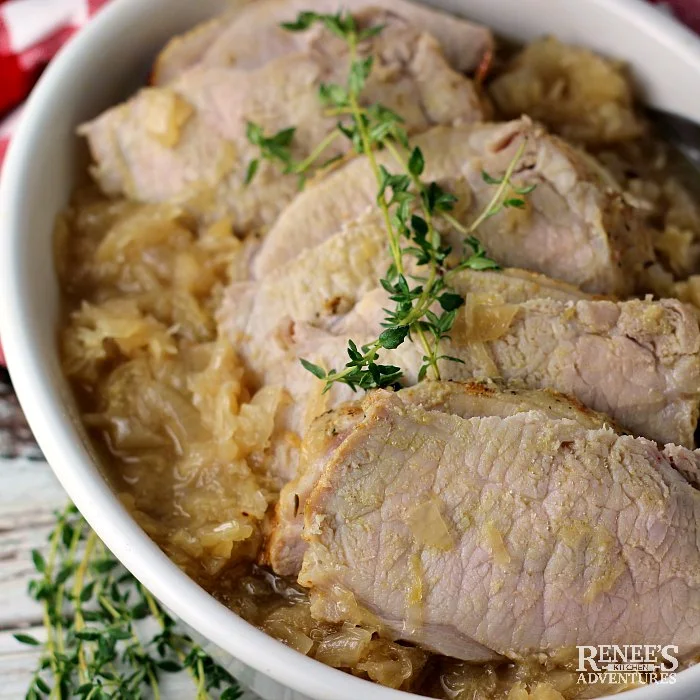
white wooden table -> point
(29, 495)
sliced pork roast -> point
(327, 281)
(685, 462)
(637, 361)
(285, 546)
(250, 36)
(187, 142)
(274, 322)
(318, 287)
(575, 227)
(503, 535)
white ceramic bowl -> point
(106, 61)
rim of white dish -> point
(45, 409)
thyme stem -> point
(304, 165)
(427, 297)
(394, 244)
(201, 689)
(77, 590)
(493, 206)
(430, 353)
(369, 355)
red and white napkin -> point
(32, 31)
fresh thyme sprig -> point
(94, 649)
(424, 308)
(274, 148)
(277, 148)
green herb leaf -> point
(359, 71)
(39, 562)
(283, 138)
(254, 134)
(88, 635)
(477, 263)
(104, 566)
(333, 95)
(342, 25)
(314, 369)
(274, 148)
(490, 180)
(458, 360)
(370, 32)
(303, 21)
(27, 639)
(437, 200)
(252, 169)
(391, 338)
(169, 666)
(450, 301)
(65, 573)
(86, 593)
(419, 226)
(416, 163)
(42, 685)
(67, 535)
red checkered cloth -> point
(32, 31)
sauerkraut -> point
(579, 94)
(165, 396)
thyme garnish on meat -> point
(417, 281)
(95, 648)
(277, 148)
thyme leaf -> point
(273, 148)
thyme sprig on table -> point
(95, 647)
(425, 307)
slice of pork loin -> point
(319, 286)
(274, 322)
(284, 548)
(328, 280)
(575, 227)
(250, 36)
(188, 142)
(523, 534)
(637, 361)
(685, 462)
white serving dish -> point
(106, 61)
